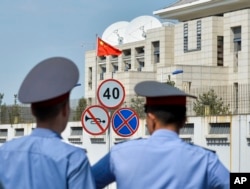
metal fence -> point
(20, 113)
(236, 97)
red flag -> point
(105, 49)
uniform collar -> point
(42, 132)
(166, 134)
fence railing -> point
(236, 97)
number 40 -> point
(115, 93)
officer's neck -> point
(171, 127)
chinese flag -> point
(105, 49)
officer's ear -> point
(65, 108)
(151, 116)
(151, 121)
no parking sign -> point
(125, 122)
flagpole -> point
(96, 38)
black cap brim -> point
(157, 89)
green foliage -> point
(82, 104)
(14, 112)
(137, 104)
(210, 104)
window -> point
(75, 141)
(187, 132)
(2, 140)
(237, 38)
(185, 37)
(76, 131)
(198, 37)
(102, 59)
(103, 70)
(19, 132)
(139, 51)
(220, 49)
(127, 66)
(98, 140)
(218, 134)
(3, 132)
(140, 65)
(156, 51)
(90, 72)
(127, 54)
(115, 67)
(188, 129)
(219, 128)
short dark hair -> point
(170, 114)
(43, 113)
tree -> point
(1, 98)
(210, 104)
(14, 112)
(137, 104)
(82, 104)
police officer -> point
(163, 161)
(42, 159)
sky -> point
(33, 30)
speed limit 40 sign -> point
(111, 93)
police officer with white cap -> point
(42, 159)
(163, 161)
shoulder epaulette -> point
(213, 151)
(126, 140)
(75, 145)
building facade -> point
(209, 43)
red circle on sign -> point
(95, 120)
(111, 93)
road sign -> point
(111, 93)
(125, 122)
(95, 120)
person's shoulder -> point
(129, 143)
(14, 142)
(201, 148)
(73, 147)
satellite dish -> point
(137, 28)
(114, 34)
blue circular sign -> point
(125, 122)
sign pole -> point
(109, 138)
(109, 134)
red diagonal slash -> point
(95, 120)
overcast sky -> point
(33, 30)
